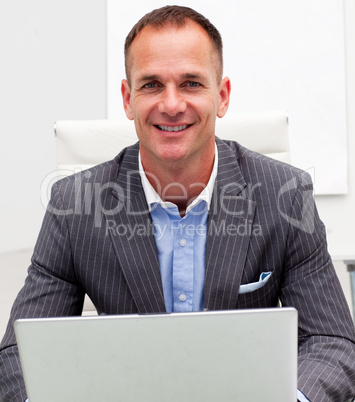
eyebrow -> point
(149, 78)
(154, 77)
(191, 76)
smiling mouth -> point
(173, 129)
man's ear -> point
(224, 95)
(126, 96)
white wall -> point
(53, 66)
(338, 212)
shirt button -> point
(182, 297)
(183, 242)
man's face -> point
(174, 94)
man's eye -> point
(150, 85)
(193, 84)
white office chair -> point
(83, 144)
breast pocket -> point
(251, 287)
(259, 294)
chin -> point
(171, 153)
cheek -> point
(207, 104)
(208, 110)
(142, 108)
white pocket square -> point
(250, 287)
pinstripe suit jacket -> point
(97, 238)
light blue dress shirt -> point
(181, 244)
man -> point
(209, 218)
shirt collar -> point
(153, 197)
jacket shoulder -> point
(256, 166)
(103, 172)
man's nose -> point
(172, 101)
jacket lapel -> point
(229, 227)
(133, 238)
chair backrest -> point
(84, 143)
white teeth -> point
(174, 129)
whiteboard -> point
(279, 54)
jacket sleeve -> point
(326, 369)
(50, 290)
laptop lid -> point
(235, 355)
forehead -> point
(169, 46)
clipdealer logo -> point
(306, 205)
(88, 196)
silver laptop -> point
(235, 355)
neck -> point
(180, 182)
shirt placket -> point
(183, 266)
